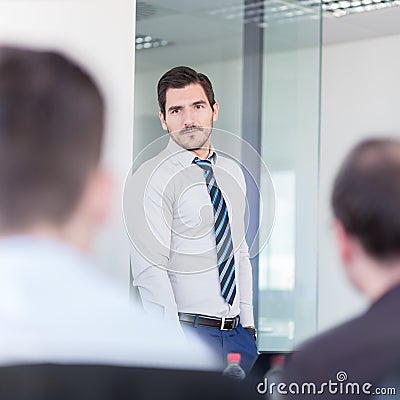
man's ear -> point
(98, 196)
(215, 112)
(162, 119)
(344, 242)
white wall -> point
(100, 34)
(360, 98)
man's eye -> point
(174, 111)
(199, 106)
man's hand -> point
(252, 330)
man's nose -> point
(188, 117)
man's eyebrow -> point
(175, 108)
(195, 103)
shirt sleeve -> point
(150, 229)
(154, 287)
(246, 287)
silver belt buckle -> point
(234, 323)
(222, 327)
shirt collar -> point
(40, 248)
(186, 157)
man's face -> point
(189, 117)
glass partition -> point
(290, 147)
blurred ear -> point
(344, 242)
(98, 196)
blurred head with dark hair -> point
(51, 130)
(366, 204)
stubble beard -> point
(195, 142)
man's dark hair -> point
(180, 77)
(366, 196)
(51, 128)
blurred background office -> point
(302, 81)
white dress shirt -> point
(55, 306)
(170, 220)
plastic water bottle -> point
(234, 370)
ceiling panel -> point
(188, 6)
(384, 22)
(337, 30)
(187, 54)
(361, 26)
(187, 28)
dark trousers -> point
(237, 340)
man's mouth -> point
(191, 130)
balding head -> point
(366, 197)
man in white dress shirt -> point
(54, 305)
(190, 258)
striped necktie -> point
(223, 235)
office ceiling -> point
(361, 26)
(204, 35)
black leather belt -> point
(223, 324)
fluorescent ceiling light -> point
(263, 12)
(144, 42)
